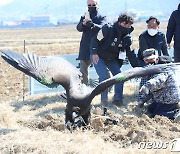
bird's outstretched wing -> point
(47, 70)
(134, 73)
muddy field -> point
(36, 125)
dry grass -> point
(36, 125)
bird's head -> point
(75, 112)
(77, 120)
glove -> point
(127, 41)
(144, 90)
(90, 24)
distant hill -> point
(71, 9)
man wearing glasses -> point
(89, 25)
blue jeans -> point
(101, 70)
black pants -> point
(167, 110)
(176, 54)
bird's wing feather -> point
(134, 73)
(47, 70)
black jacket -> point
(88, 33)
(173, 28)
(107, 44)
(157, 42)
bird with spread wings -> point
(53, 71)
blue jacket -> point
(157, 42)
(88, 33)
(107, 44)
(173, 28)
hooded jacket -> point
(173, 28)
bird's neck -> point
(78, 91)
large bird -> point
(53, 71)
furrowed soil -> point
(36, 125)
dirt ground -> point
(36, 125)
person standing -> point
(89, 25)
(152, 38)
(173, 30)
(108, 49)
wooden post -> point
(24, 77)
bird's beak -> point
(74, 115)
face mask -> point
(152, 32)
(123, 30)
(92, 9)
